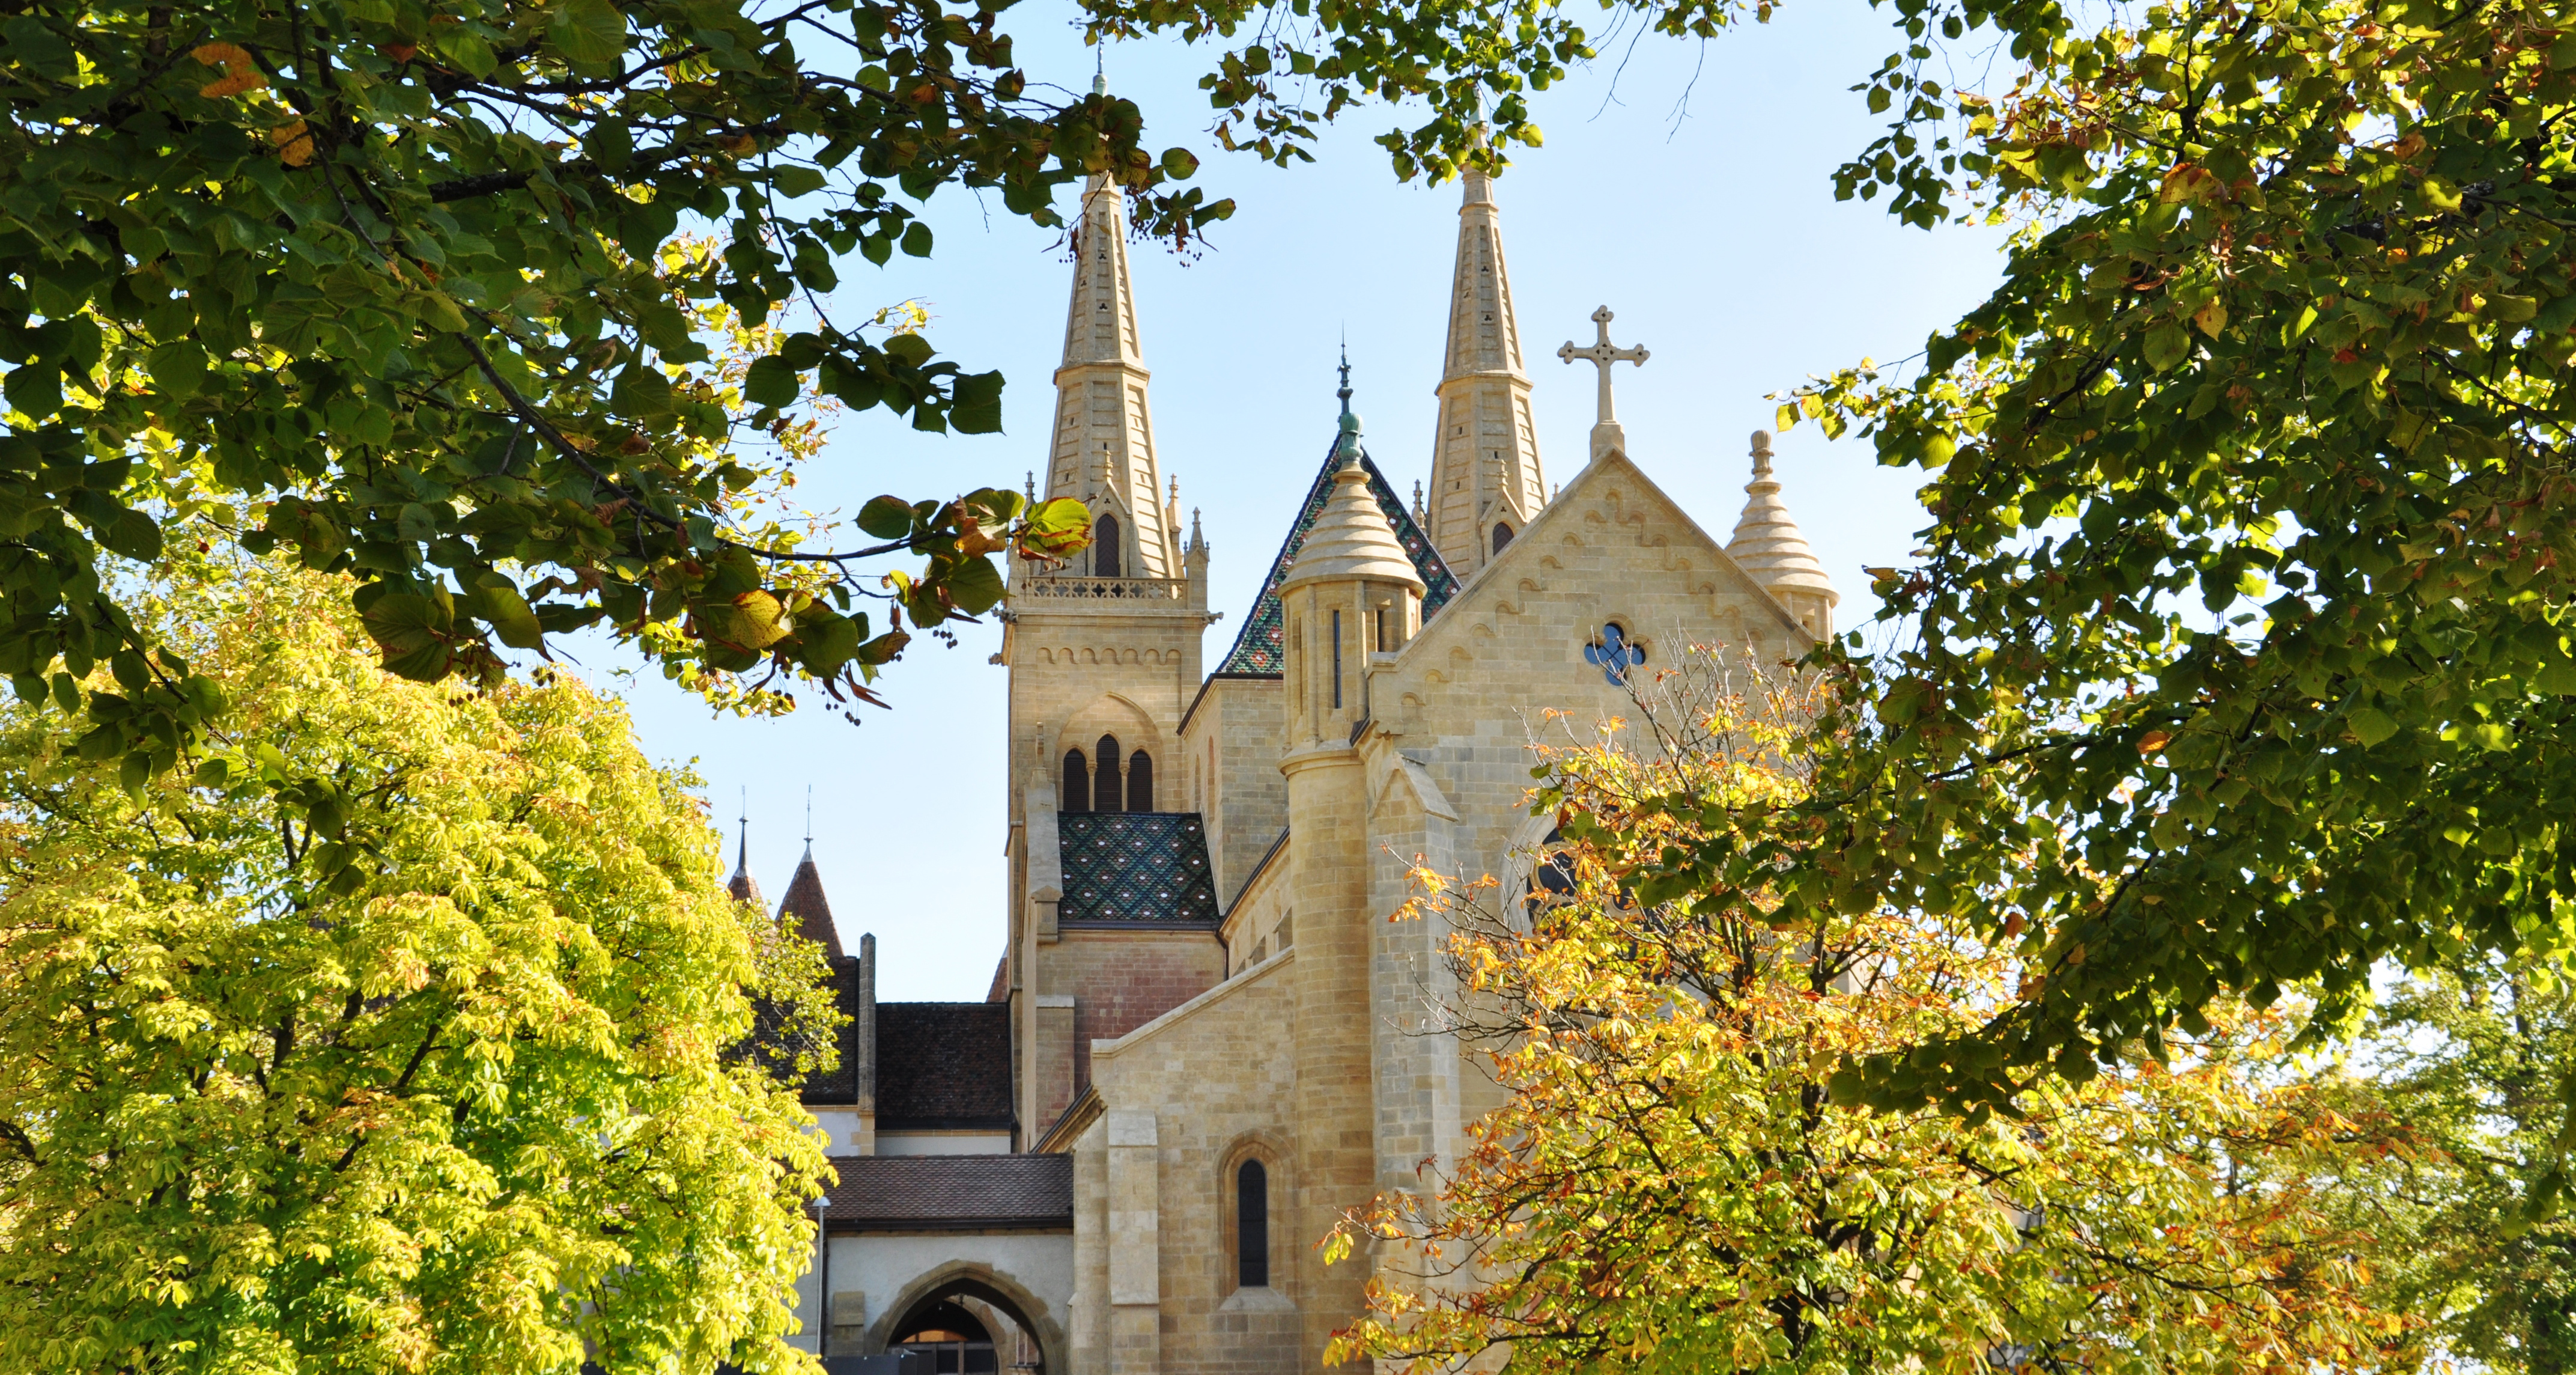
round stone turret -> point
(1769, 546)
(1351, 594)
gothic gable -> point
(1610, 567)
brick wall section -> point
(1122, 979)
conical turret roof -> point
(742, 885)
(812, 911)
(1768, 544)
(1352, 538)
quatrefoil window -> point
(1613, 655)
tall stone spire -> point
(1104, 432)
(1770, 547)
(1485, 473)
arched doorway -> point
(954, 1339)
(970, 1321)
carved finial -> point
(809, 821)
(742, 855)
(1032, 487)
(1419, 513)
(1762, 453)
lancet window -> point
(1251, 1225)
(1105, 562)
(1104, 787)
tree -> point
(1673, 1181)
(429, 1068)
(2471, 1062)
(395, 286)
(2247, 581)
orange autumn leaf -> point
(294, 143)
(241, 74)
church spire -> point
(1485, 478)
(742, 885)
(1104, 433)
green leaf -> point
(771, 381)
(977, 407)
(975, 586)
(502, 604)
(476, 59)
(591, 34)
(886, 517)
(2371, 725)
(2166, 345)
(178, 367)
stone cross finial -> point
(1606, 434)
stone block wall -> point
(1195, 1095)
(1231, 743)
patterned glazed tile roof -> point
(930, 1193)
(1135, 866)
(1257, 645)
(943, 1066)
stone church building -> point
(1203, 1041)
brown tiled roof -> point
(812, 911)
(932, 1193)
(943, 1066)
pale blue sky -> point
(1715, 237)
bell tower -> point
(1104, 657)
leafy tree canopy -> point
(1671, 1185)
(424, 1069)
(425, 293)
(2248, 586)
(2470, 1061)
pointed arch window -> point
(1551, 876)
(1251, 1225)
(1105, 562)
(1502, 536)
(1140, 782)
(1077, 783)
(1104, 789)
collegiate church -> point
(1205, 1040)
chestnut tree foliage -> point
(1672, 1183)
(424, 291)
(2238, 654)
(397, 1036)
